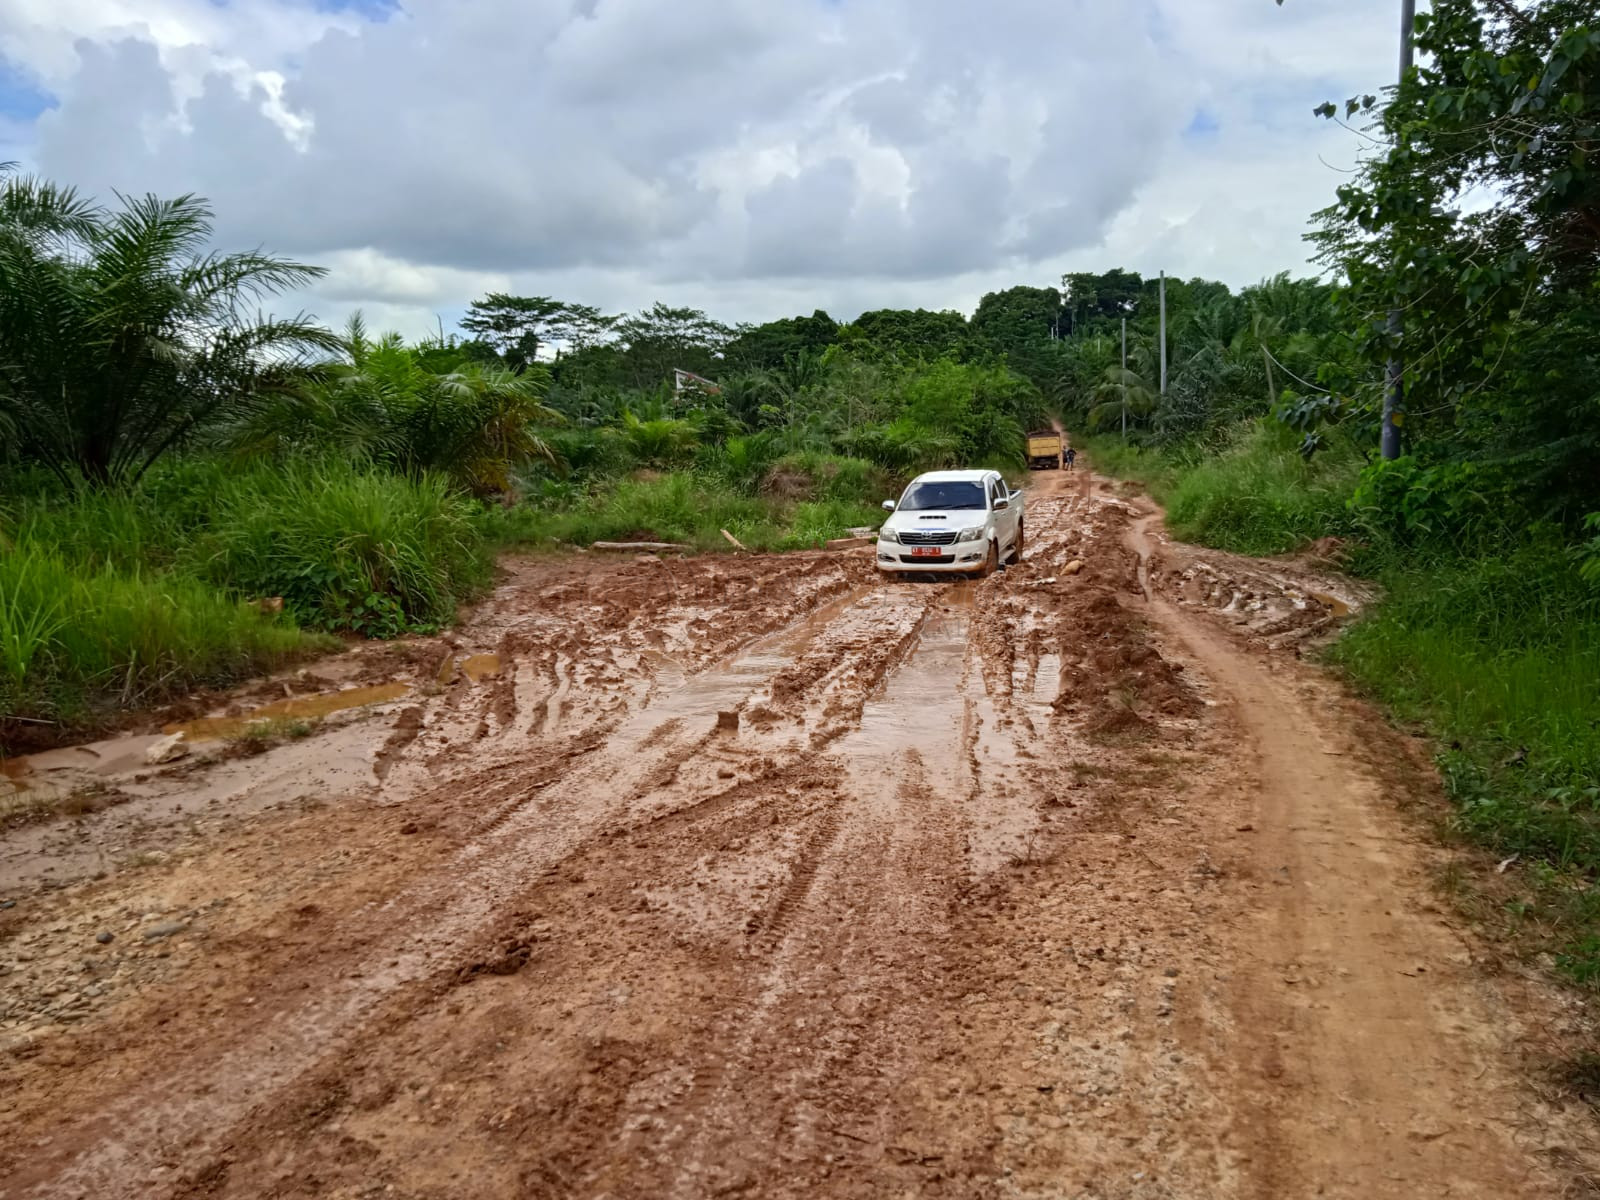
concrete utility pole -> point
(1394, 381)
(1163, 335)
(1124, 378)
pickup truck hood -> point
(935, 519)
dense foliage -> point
(121, 336)
(1479, 218)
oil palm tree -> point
(380, 402)
(122, 336)
(1122, 390)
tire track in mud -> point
(507, 855)
(768, 931)
(856, 898)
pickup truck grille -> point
(936, 537)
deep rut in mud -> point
(758, 876)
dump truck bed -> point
(1044, 450)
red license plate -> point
(927, 552)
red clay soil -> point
(758, 876)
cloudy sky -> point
(757, 158)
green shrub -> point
(833, 477)
(740, 463)
(589, 453)
(660, 441)
(347, 549)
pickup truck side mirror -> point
(1001, 505)
(888, 506)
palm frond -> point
(251, 274)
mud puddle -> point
(165, 815)
(14, 774)
(305, 708)
(917, 724)
(727, 686)
(476, 668)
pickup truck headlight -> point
(970, 535)
(889, 535)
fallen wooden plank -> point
(737, 544)
(639, 547)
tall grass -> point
(30, 614)
(119, 597)
(1500, 658)
(348, 550)
(1261, 497)
(1255, 495)
(72, 639)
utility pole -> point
(1124, 378)
(1394, 381)
(1163, 335)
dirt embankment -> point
(757, 876)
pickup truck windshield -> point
(924, 497)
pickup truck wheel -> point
(1016, 548)
(991, 564)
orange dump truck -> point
(1044, 450)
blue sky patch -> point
(20, 97)
(1203, 124)
(372, 10)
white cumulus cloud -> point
(759, 157)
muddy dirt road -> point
(761, 877)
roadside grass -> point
(1155, 470)
(1253, 494)
(348, 551)
(74, 638)
(1494, 654)
(114, 599)
(685, 507)
(812, 475)
(1498, 660)
(814, 523)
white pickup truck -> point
(952, 521)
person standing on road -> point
(1071, 456)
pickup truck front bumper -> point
(962, 557)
